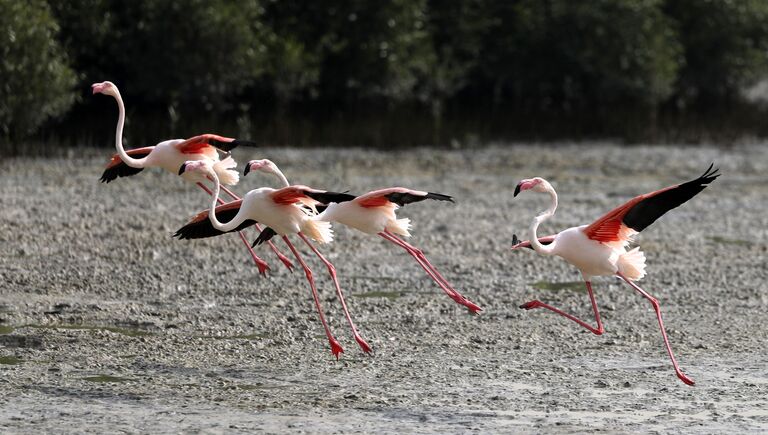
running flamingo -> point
(374, 213)
(600, 249)
(278, 209)
(171, 154)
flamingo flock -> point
(598, 249)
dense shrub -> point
(35, 81)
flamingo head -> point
(264, 165)
(204, 166)
(106, 88)
(537, 184)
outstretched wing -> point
(117, 167)
(640, 212)
(200, 226)
(398, 195)
(205, 144)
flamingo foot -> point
(286, 262)
(263, 267)
(685, 379)
(531, 305)
(363, 344)
(335, 347)
(461, 300)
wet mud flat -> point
(107, 324)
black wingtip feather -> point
(439, 197)
(265, 236)
(647, 211)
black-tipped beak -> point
(182, 168)
(247, 169)
(517, 189)
(515, 240)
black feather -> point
(647, 211)
(265, 236)
(329, 197)
(204, 228)
(121, 169)
(403, 198)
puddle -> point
(10, 360)
(392, 295)
(106, 379)
(727, 241)
(570, 285)
(123, 331)
(6, 329)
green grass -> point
(10, 360)
(727, 241)
(6, 329)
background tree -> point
(35, 80)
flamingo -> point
(374, 213)
(170, 154)
(600, 249)
(279, 210)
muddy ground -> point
(107, 324)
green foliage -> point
(194, 53)
(355, 49)
(725, 46)
(35, 81)
(180, 62)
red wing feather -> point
(291, 195)
(200, 144)
(608, 227)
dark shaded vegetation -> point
(381, 73)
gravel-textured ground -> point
(107, 324)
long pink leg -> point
(599, 331)
(261, 264)
(332, 271)
(657, 308)
(418, 255)
(335, 346)
(277, 252)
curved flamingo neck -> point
(130, 161)
(548, 213)
(282, 178)
(232, 224)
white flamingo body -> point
(600, 249)
(370, 220)
(259, 205)
(594, 258)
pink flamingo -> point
(279, 210)
(374, 213)
(171, 154)
(600, 249)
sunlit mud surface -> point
(107, 324)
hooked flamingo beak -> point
(247, 169)
(96, 88)
(517, 189)
(182, 168)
